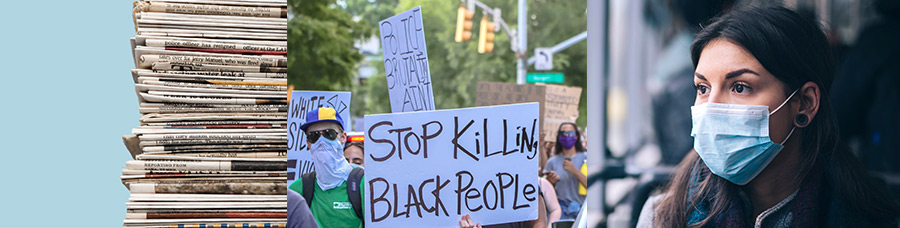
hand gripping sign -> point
(430, 168)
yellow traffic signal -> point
(486, 36)
(464, 24)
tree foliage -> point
(321, 55)
(456, 68)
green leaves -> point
(330, 61)
(321, 55)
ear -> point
(809, 97)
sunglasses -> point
(361, 145)
(313, 136)
(567, 133)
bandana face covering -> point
(331, 167)
(733, 140)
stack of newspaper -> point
(210, 76)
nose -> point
(717, 96)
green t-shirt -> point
(332, 208)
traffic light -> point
(464, 24)
(486, 36)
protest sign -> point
(406, 62)
(559, 104)
(298, 155)
(430, 168)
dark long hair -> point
(579, 147)
(795, 51)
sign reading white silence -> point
(430, 168)
(406, 62)
(302, 102)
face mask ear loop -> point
(789, 135)
(785, 102)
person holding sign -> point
(564, 170)
(334, 191)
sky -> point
(67, 100)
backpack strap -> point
(353, 190)
(309, 184)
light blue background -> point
(67, 99)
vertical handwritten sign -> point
(302, 102)
(430, 168)
(406, 62)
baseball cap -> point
(322, 114)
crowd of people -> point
(331, 196)
(760, 145)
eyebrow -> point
(700, 76)
(729, 75)
(740, 72)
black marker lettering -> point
(399, 133)
(410, 198)
(503, 187)
(426, 136)
(379, 140)
(455, 141)
(379, 199)
(460, 189)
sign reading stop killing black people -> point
(302, 102)
(430, 168)
(406, 62)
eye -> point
(701, 89)
(740, 88)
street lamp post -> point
(521, 53)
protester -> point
(334, 191)
(554, 212)
(354, 153)
(547, 190)
(299, 215)
(564, 170)
(766, 140)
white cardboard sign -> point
(406, 62)
(430, 168)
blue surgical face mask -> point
(332, 168)
(733, 140)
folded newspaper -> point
(210, 77)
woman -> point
(354, 153)
(766, 142)
(564, 169)
(551, 203)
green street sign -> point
(544, 78)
